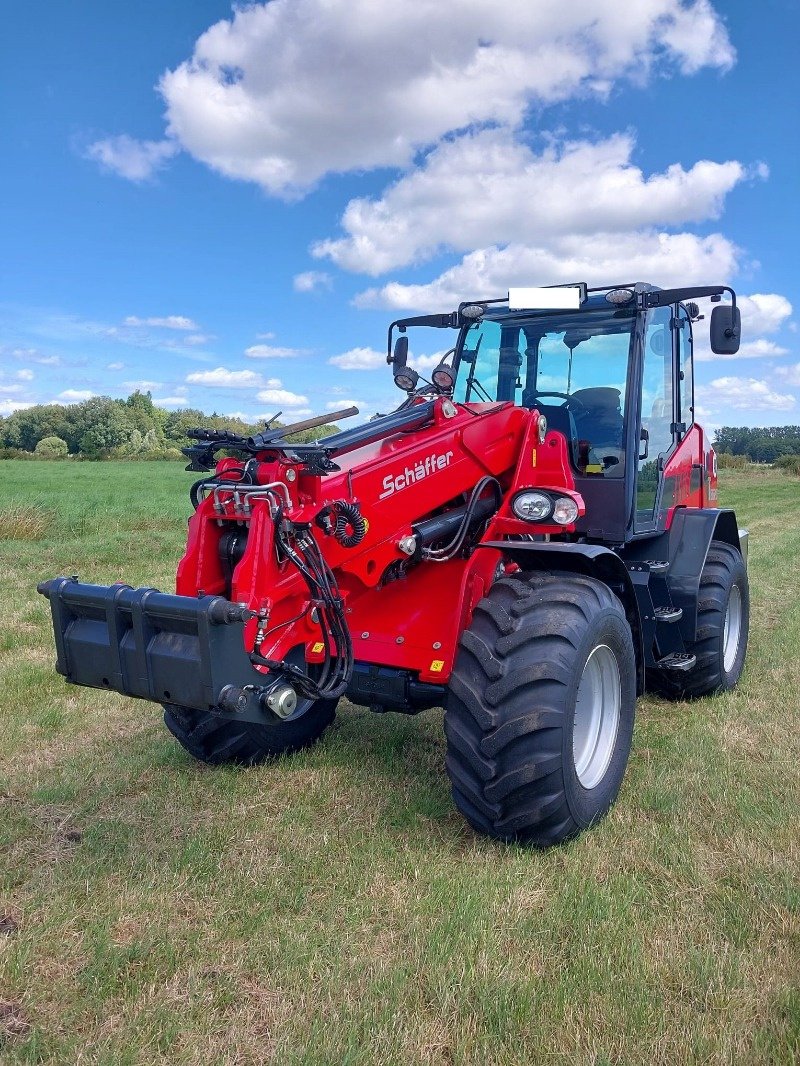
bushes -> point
(789, 463)
(726, 461)
(51, 448)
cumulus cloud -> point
(8, 407)
(359, 359)
(339, 405)
(763, 312)
(75, 395)
(25, 375)
(310, 280)
(170, 401)
(115, 366)
(749, 394)
(281, 396)
(790, 375)
(271, 351)
(179, 322)
(662, 258)
(131, 158)
(223, 378)
(287, 91)
(142, 385)
(488, 188)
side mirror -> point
(400, 357)
(726, 329)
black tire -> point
(216, 740)
(510, 720)
(723, 587)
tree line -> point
(768, 444)
(105, 428)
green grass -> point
(333, 907)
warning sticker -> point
(437, 666)
(318, 647)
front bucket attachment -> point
(145, 643)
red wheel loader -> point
(530, 540)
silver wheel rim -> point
(597, 707)
(733, 628)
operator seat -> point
(599, 421)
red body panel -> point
(690, 475)
(399, 615)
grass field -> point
(333, 907)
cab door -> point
(659, 426)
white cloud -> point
(198, 338)
(601, 259)
(310, 280)
(9, 390)
(281, 396)
(359, 359)
(130, 158)
(760, 348)
(8, 407)
(171, 401)
(287, 91)
(75, 395)
(487, 188)
(115, 366)
(33, 355)
(748, 394)
(339, 405)
(226, 379)
(25, 375)
(790, 375)
(763, 312)
(180, 322)
(271, 351)
(143, 386)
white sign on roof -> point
(561, 298)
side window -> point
(657, 409)
(685, 407)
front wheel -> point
(723, 623)
(213, 739)
(540, 709)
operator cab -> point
(610, 368)
(573, 367)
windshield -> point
(573, 367)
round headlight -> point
(443, 377)
(565, 511)
(531, 506)
(406, 379)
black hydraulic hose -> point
(442, 555)
(348, 514)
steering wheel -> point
(572, 404)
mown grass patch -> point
(333, 907)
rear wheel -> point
(723, 622)
(541, 707)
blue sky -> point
(228, 206)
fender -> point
(685, 545)
(592, 560)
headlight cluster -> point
(534, 506)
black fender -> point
(591, 560)
(685, 546)
(689, 538)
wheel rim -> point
(597, 709)
(733, 628)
